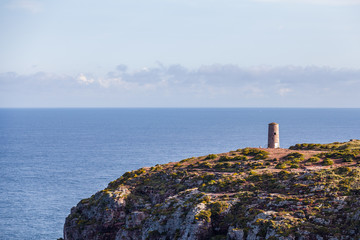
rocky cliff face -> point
(243, 194)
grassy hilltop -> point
(310, 191)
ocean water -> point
(52, 158)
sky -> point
(179, 53)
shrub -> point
(294, 155)
(281, 166)
(331, 146)
(218, 207)
(208, 177)
(307, 146)
(253, 173)
(225, 159)
(313, 159)
(211, 156)
(346, 155)
(262, 155)
(206, 199)
(240, 158)
(190, 166)
(311, 146)
(253, 152)
(283, 175)
(212, 182)
(223, 165)
(186, 160)
(294, 166)
(348, 158)
(343, 170)
(203, 215)
(156, 168)
(328, 162)
(287, 162)
(204, 165)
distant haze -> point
(251, 53)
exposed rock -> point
(235, 234)
(240, 195)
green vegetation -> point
(218, 207)
(345, 155)
(236, 158)
(243, 190)
(211, 156)
(281, 166)
(256, 153)
(204, 215)
(295, 157)
(239, 158)
(294, 166)
(225, 159)
(204, 165)
(313, 160)
(328, 162)
(187, 160)
(351, 145)
(224, 165)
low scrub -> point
(211, 156)
(328, 162)
(256, 153)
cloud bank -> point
(177, 86)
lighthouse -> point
(273, 136)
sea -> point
(50, 159)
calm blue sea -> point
(52, 158)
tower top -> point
(273, 123)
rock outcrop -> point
(244, 194)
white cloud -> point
(84, 80)
(211, 85)
(321, 2)
(257, 81)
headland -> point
(309, 191)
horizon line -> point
(1, 108)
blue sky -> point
(113, 53)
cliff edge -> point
(310, 191)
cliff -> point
(310, 191)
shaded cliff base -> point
(310, 191)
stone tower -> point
(273, 136)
